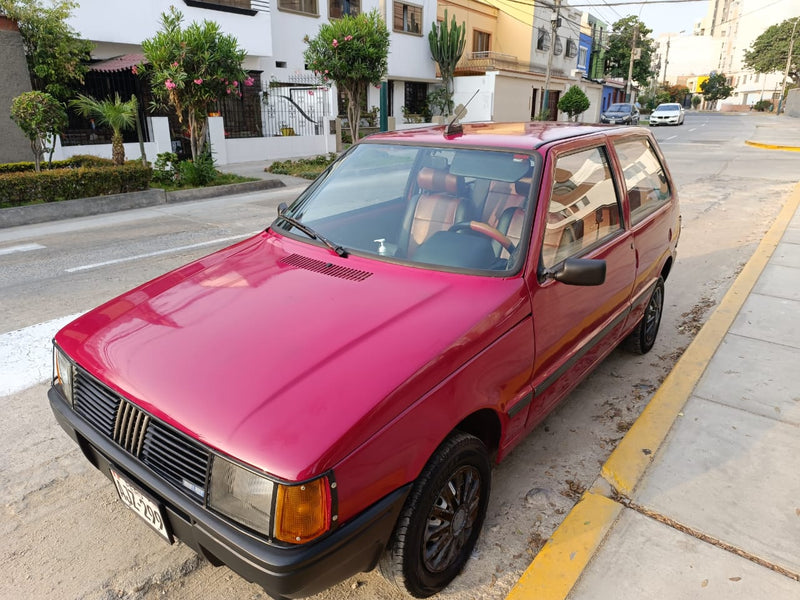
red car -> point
(328, 395)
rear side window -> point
(645, 178)
(583, 209)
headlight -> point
(64, 370)
(302, 511)
(242, 495)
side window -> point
(584, 207)
(644, 177)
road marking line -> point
(671, 137)
(159, 252)
(21, 248)
(695, 129)
(558, 565)
(27, 355)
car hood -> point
(285, 356)
(666, 113)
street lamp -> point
(782, 100)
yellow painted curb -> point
(627, 463)
(556, 567)
(773, 146)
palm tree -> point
(115, 114)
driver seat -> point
(439, 205)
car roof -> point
(514, 136)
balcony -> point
(477, 63)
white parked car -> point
(670, 113)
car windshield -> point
(667, 107)
(619, 108)
(459, 209)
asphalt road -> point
(65, 533)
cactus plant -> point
(447, 46)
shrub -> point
(73, 162)
(762, 105)
(308, 168)
(25, 187)
(165, 169)
(198, 173)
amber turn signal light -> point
(303, 512)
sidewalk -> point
(701, 498)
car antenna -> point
(458, 113)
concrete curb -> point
(558, 565)
(84, 207)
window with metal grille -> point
(242, 7)
(339, 8)
(308, 7)
(407, 17)
(480, 41)
(543, 40)
(416, 97)
(572, 49)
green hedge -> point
(26, 187)
(79, 160)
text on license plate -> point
(148, 510)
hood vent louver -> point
(325, 268)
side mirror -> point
(580, 271)
(282, 208)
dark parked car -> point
(623, 113)
(328, 395)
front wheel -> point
(643, 337)
(441, 519)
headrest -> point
(432, 180)
(500, 187)
(523, 186)
(562, 175)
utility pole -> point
(666, 62)
(555, 21)
(630, 64)
(782, 100)
(383, 109)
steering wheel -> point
(487, 230)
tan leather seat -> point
(439, 205)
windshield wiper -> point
(309, 231)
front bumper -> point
(287, 571)
(665, 121)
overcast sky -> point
(661, 17)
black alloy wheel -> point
(643, 337)
(442, 518)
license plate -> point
(150, 511)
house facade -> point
(504, 70)
(15, 146)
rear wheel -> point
(441, 519)
(642, 338)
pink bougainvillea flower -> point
(335, 43)
(326, 71)
(228, 90)
(310, 93)
(198, 81)
(175, 65)
(235, 84)
(134, 70)
(170, 85)
(347, 38)
(249, 81)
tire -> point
(442, 518)
(643, 337)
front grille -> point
(171, 455)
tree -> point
(574, 102)
(41, 117)
(447, 46)
(618, 54)
(353, 53)
(191, 68)
(115, 114)
(769, 51)
(716, 87)
(57, 58)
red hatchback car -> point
(327, 396)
